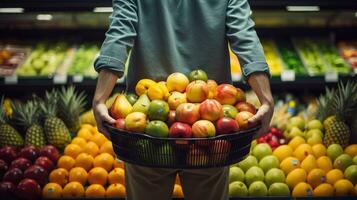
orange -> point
(294, 177)
(66, 162)
(116, 190)
(344, 187)
(177, 181)
(316, 177)
(107, 147)
(85, 161)
(333, 176)
(78, 174)
(117, 175)
(302, 189)
(351, 150)
(325, 163)
(80, 141)
(88, 127)
(99, 139)
(52, 190)
(59, 176)
(72, 150)
(177, 193)
(97, 175)
(118, 163)
(296, 141)
(73, 190)
(104, 160)
(91, 148)
(85, 134)
(95, 191)
(318, 150)
(324, 190)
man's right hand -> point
(101, 115)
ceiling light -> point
(302, 8)
(44, 17)
(103, 9)
(11, 10)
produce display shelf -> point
(89, 5)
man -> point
(167, 36)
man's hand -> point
(101, 115)
(259, 82)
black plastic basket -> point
(181, 153)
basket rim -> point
(241, 133)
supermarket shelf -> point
(88, 5)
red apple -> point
(211, 110)
(180, 130)
(3, 168)
(197, 157)
(245, 106)
(242, 119)
(46, 163)
(226, 125)
(171, 118)
(14, 176)
(197, 91)
(273, 143)
(28, 189)
(8, 154)
(120, 123)
(187, 113)
(240, 95)
(50, 152)
(29, 152)
(270, 135)
(37, 173)
(261, 140)
(226, 94)
(7, 190)
(220, 151)
(203, 129)
(21, 163)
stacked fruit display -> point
(11, 57)
(332, 57)
(274, 61)
(348, 51)
(83, 60)
(25, 172)
(290, 57)
(274, 138)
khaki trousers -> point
(143, 183)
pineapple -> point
(27, 115)
(56, 131)
(336, 109)
(8, 134)
(71, 104)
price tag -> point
(288, 75)
(60, 79)
(331, 76)
(11, 80)
(77, 78)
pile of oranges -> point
(88, 168)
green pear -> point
(142, 104)
(295, 131)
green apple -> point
(247, 163)
(230, 111)
(298, 122)
(274, 175)
(236, 174)
(334, 150)
(258, 189)
(238, 189)
(315, 124)
(355, 160)
(268, 162)
(351, 174)
(197, 75)
(279, 189)
(157, 128)
(158, 110)
(254, 174)
(261, 150)
(342, 162)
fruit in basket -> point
(342, 162)
(158, 110)
(197, 75)
(13, 175)
(78, 174)
(242, 119)
(59, 176)
(28, 189)
(56, 132)
(333, 151)
(171, 118)
(245, 106)
(187, 113)
(351, 173)
(258, 189)
(197, 157)
(143, 85)
(7, 190)
(8, 154)
(203, 129)
(268, 162)
(97, 175)
(175, 99)
(115, 191)
(45, 163)
(247, 163)
(21, 163)
(238, 189)
(274, 175)
(37, 173)
(180, 130)
(73, 190)
(52, 191)
(261, 150)
(211, 110)
(212, 86)
(50, 152)
(158, 91)
(8, 134)
(142, 104)
(104, 160)
(177, 82)
(235, 174)
(120, 107)
(279, 190)
(197, 91)
(229, 111)
(253, 174)
(135, 122)
(132, 98)
(120, 123)
(226, 94)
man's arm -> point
(246, 45)
(110, 64)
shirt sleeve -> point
(119, 38)
(243, 39)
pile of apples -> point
(23, 173)
(183, 107)
(274, 138)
